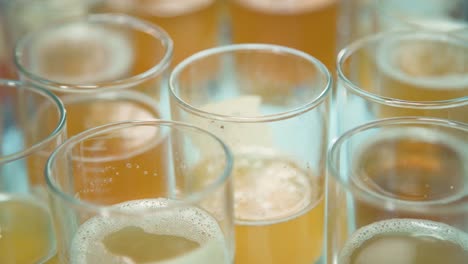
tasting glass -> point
(270, 105)
(402, 73)
(136, 183)
(105, 68)
(399, 185)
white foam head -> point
(411, 226)
(189, 222)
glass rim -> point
(106, 18)
(362, 43)
(191, 199)
(61, 124)
(334, 153)
(234, 48)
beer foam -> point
(390, 53)
(188, 222)
(109, 54)
(271, 188)
(286, 7)
(411, 226)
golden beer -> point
(181, 235)
(278, 209)
(307, 25)
(26, 231)
(406, 241)
(192, 24)
(408, 165)
(425, 70)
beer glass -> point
(97, 66)
(440, 15)
(402, 73)
(26, 229)
(270, 105)
(194, 25)
(179, 216)
(307, 25)
(397, 193)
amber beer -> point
(423, 68)
(278, 209)
(406, 241)
(180, 235)
(192, 24)
(26, 231)
(307, 25)
(415, 167)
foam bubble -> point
(390, 53)
(188, 222)
(412, 226)
(271, 188)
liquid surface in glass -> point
(422, 69)
(410, 166)
(406, 241)
(179, 235)
(278, 209)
